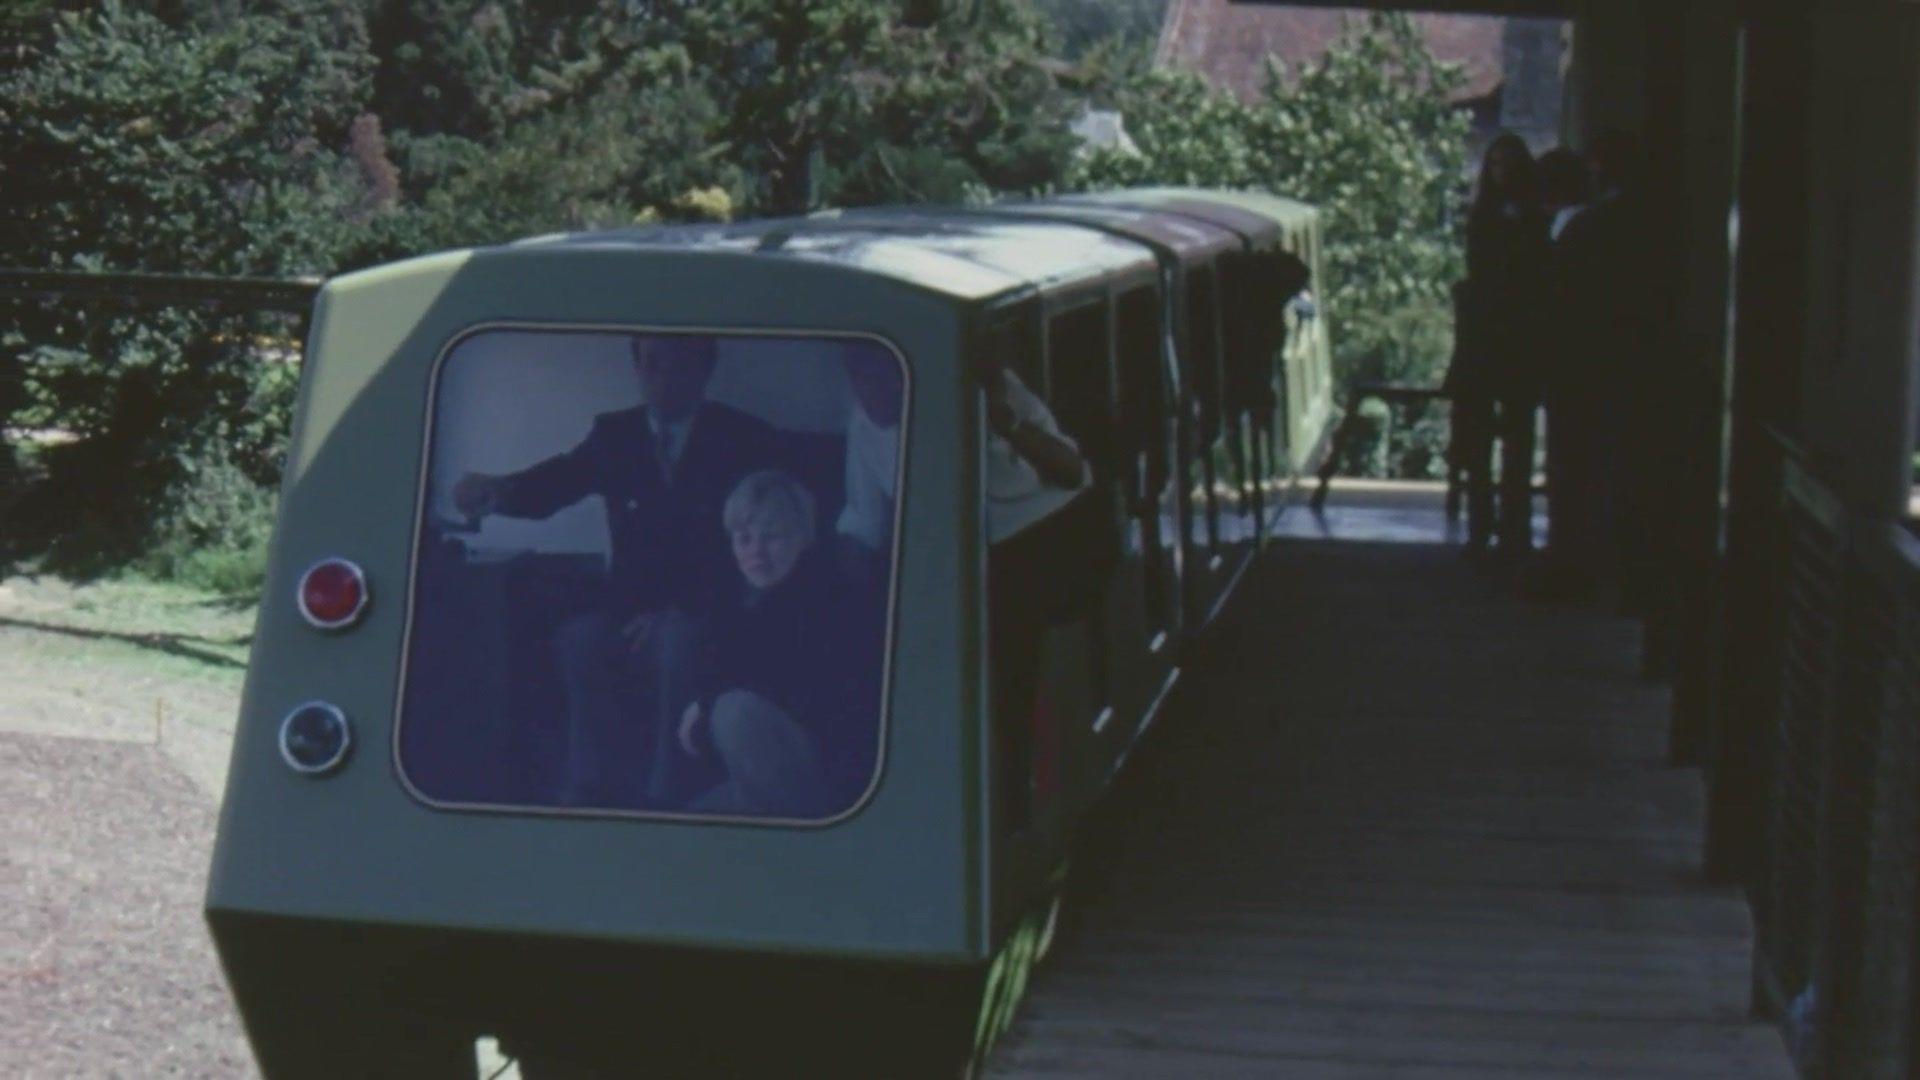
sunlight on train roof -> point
(965, 256)
(1181, 234)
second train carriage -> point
(421, 840)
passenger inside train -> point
(873, 454)
(790, 665)
(1048, 531)
(630, 608)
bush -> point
(212, 528)
(198, 143)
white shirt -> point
(1563, 218)
(873, 469)
(1016, 495)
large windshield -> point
(654, 574)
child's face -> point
(767, 545)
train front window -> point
(654, 574)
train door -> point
(1241, 390)
(1148, 461)
(1230, 526)
(1201, 368)
(1298, 343)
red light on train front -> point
(333, 594)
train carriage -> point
(1258, 290)
(647, 661)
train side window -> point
(654, 574)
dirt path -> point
(116, 710)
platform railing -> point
(1837, 784)
(142, 290)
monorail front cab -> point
(637, 640)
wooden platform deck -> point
(1403, 825)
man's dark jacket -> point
(670, 549)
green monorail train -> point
(693, 650)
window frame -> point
(418, 533)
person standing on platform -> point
(1574, 386)
(1601, 262)
(1494, 379)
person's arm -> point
(1053, 456)
(864, 517)
(534, 492)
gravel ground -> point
(109, 971)
(117, 703)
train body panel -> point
(357, 845)
(986, 670)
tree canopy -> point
(282, 137)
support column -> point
(1769, 329)
(1708, 146)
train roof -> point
(1260, 217)
(967, 256)
(979, 254)
(1287, 211)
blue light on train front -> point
(315, 738)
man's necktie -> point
(663, 452)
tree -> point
(1371, 134)
(283, 137)
(1080, 25)
(133, 144)
(845, 102)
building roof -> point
(1228, 44)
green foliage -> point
(133, 143)
(1369, 135)
(212, 531)
(1187, 133)
(280, 137)
(840, 102)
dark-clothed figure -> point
(662, 469)
(1494, 379)
(1576, 388)
(788, 691)
(1612, 321)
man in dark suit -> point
(663, 469)
(1612, 329)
